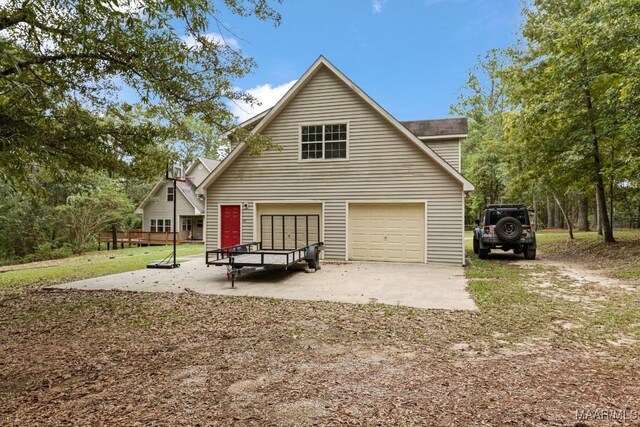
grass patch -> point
(508, 308)
(622, 259)
(93, 264)
(525, 302)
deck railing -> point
(139, 237)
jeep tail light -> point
(487, 229)
(527, 228)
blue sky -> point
(411, 56)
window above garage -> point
(324, 142)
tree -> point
(484, 157)
(572, 82)
(62, 62)
(101, 204)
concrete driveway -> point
(413, 285)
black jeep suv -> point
(505, 227)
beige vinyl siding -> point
(448, 149)
(383, 165)
(158, 207)
(199, 173)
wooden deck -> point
(144, 238)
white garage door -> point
(387, 232)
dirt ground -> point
(121, 358)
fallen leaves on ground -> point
(112, 358)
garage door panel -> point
(387, 232)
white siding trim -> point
(426, 232)
(388, 202)
(220, 221)
(204, 224)
(346, 231)
(323, 227)
(255, 221)
(464, 255)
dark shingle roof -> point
(437, 127)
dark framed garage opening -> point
(289, 231)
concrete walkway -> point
(413, 285)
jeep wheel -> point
(483, 253)
(509, 229)
(529, 252)
(476, 244)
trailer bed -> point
(287, 240)
(252, 256)
(262, 258)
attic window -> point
(324, 142)
(169, 194)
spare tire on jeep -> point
(509, 229)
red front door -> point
(230, 225)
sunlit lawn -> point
(93, 264)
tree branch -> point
(8, 21)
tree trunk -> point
(598, 220)
(566, 218)
(549, 213)
(535, 213)
(583, 214)
(557, 220)
(607, 230)
(114, 236)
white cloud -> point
(266, 95)
(191, 41)
(377, 5)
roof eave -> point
(431, 137)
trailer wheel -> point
(312, 256)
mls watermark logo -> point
(607, 414)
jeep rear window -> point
(495, 216)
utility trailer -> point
(287, 240)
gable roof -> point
(147, 199)
(446, 128)
(209, 164)
(186, 188)
(291, 93)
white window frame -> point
(172, 195)
(160, 225)
(187, 223)
(323, 124)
